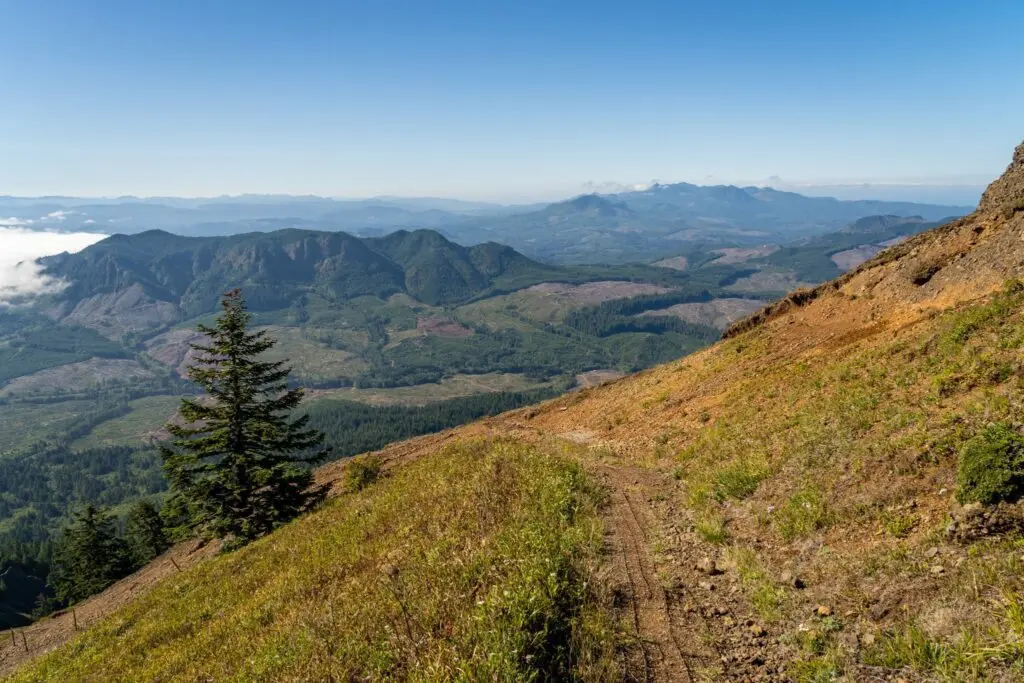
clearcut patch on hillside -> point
(76, 377)
(717, 313)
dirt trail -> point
(671, 646)
(691, 620)
(688, 623)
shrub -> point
(991, 467)
(362, 471)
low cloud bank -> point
(20, 276)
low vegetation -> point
(476, 564)
(833, 453)
(361, 472)
(991, 466)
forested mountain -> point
(280, 267)
(662, 219)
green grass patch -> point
(739, 479)
(804, 513)
(362, 471)
(712, 529)
(766, 597)
(474, 564)
(912, 648)
(974, 654)
(898, 526)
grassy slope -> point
(472, 565)
(825, 443)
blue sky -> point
(501, 100)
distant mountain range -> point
(670, 218)
(630, 226)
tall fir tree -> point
(89, 556)
(238, 463)
(144, 532)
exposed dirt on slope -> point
(668, 647)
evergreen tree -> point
(144, 532)
(89, 556)
(237, 461)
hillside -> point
(784, 505)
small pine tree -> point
(144, 532)
(239, 463)
(89, 556)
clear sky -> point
(501, 99)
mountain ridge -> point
(191, 271)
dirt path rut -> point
(670, 645)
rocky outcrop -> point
(1006, 194)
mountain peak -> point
(1007, 193)
(591, 204)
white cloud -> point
(58, 215)
(20, 275)
(15, 222)
(613, 187)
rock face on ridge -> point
(1007, 193)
